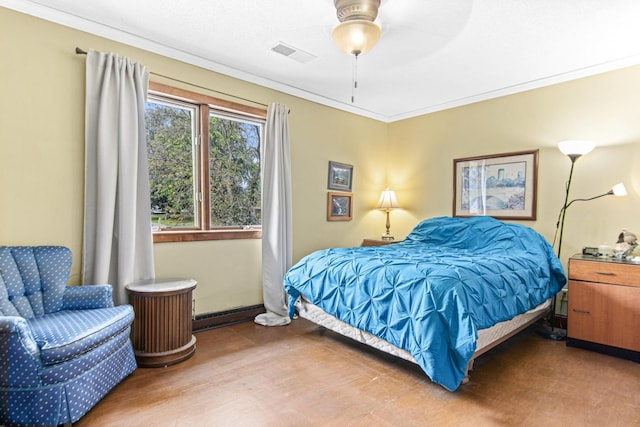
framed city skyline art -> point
(503, 186)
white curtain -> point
(276, 215)
(117, 245)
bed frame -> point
(487, 338)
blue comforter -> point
(432, 292)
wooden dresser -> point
(604, 306)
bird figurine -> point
(627, 237)
(628, 240)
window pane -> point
(170, 143)
(234, 172)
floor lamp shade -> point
(576, 147)
(619, 190)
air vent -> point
(293, 53)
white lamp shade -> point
(356, 36)
(388, 200)
(576, 147)
(619, 190)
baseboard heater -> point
(219, 319)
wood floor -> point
(250, 375)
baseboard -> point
(202, 322)
(606, 349)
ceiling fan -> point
(357, 32)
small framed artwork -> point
(340, 176)
(503, 186)
(339, 206)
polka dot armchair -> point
(62, 348)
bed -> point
(451, 290)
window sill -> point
(203, 235)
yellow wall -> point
(42, 157)
(42, 160)
(604, 108)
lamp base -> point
(387, 237)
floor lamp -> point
(574, 149)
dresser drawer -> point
(604, 272)
(587, 311)
(604, 314)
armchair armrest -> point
(86, 297)
(21, 353)
(18, 326)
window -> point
(202, 188)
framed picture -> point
(339, 206)
(340, 176)
(503, 186)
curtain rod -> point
(84, 52)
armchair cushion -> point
(67, 334)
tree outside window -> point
(202, 191)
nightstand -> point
(377, 242)
(604, 306)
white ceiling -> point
(432, 55)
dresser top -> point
(580, 257)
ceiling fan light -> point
(356, 36)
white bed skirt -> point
(487, 338)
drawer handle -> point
(582, 311)
(605, 273)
